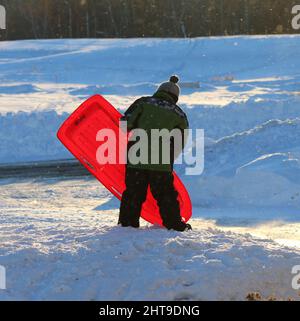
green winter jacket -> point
(157, 112)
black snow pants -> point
(162, 189)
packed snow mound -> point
(233, 165)
(56, 247)
(283, 164)
(258, 167)
(273, 190)
(31, 136)
(238, 117)
(151, 264)
(232, 152)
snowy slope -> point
(106, 62)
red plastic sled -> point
(78, 134)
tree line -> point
(36, 19)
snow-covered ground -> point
(59, 242)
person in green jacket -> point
(157, 112)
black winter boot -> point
(188, 227)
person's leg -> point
(163, 190)
(133, 197)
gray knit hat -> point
(171, 86)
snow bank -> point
(247, 103)
(148, 265)
(258, 167)
(239, 117)
(228, 154)
(31, 136)
(231, 175)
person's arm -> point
(184, 124)
(132, 114)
